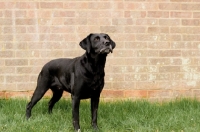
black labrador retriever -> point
(82, 76)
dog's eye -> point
(96, 39)
(106, 37)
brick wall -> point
(158, 44)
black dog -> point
(82, 76)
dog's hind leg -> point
(39, 92)
(57, 94)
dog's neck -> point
(96, 61)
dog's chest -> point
(96, 82)
(92, 88)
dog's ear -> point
(85, 43)
(112, 42)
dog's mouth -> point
(106, 50)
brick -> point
(64, 14)
(169, 69)
(27, 5)
(135, 94)
(158, 45)
(27, 54)
(136, 61)
(42, 14)
(9, 13)
(159, 61)
(7, 5)
(181, 14)
(20, 14)
(190, 6)
(101, 21)
(181, 30)
(135, 45)
(191, 37)
(170, 22)
(6, 37)
(16, 62)
(57, 21)
(25, 22)
(111, 29)
(181, 45)
(2, 79)
(2, 95)
(195, 30)
(76, 5)
(158, 14)
(181, 0)
(121, 37)
(190, 22)
(27, 70)
(99, 5)
(158, 29)
(4, 21)
(169, 6)
(196, 93)
(112, 94)
(87, 29)
(135, 14)
(114, 77)
(146, 85)
(9, 30)
(159, 93)
(17, 79)
(190, 53)
(26, 37)
(124, 85)
(117, 14)
(1, 13)
(7, 87)
(138, 69)
(136, 77)
(74, 53)
(16, 45)
(129, 5)
(124, 53)
(6, 54)
(122, 21)
(195, 45)
(147, 22)
(53, 53)
(148, 53)
(7, 70)
(145, 37)
(196, 14)
(170, 53)
(41, 29)
(175, 61)
(75, 21)
(134, 29)
(28, 86)
(51, 5)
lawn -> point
(120, 116)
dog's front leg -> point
(75, 112)
(94, 109)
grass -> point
(120, 116)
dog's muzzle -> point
(106, 50)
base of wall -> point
(109, 94)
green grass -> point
(120, 116)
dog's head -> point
(98, 44)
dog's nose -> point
(107, 43)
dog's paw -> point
(79, 130)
